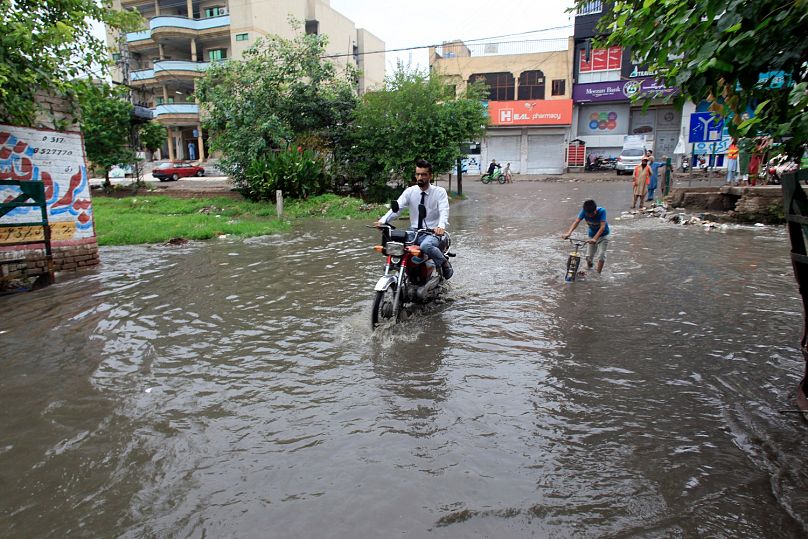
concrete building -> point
(529, 103)
(184, 36)
(605, 81)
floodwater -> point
(233, 388)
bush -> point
(299, 174)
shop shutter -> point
(545, 154)
(504, 150)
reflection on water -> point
(233, 388)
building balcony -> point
(178, 27)
(168, 70)
(177, 114)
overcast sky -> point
(413, 23)
(410, 23)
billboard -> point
(530, 112)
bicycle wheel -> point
(485, 178)
(502, 179)
(573, 262)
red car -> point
(175, 171)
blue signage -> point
(705, 127)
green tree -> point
(281, 94)
(47, 45)
(414, 116)
(718, 49)
(152, 135)
(106, 123)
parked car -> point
(175, 171)
(628, 159)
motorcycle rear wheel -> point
(485, 178)
(383, 307)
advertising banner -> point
(620, 90)
(530, 112)
(604, 119)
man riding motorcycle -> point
(437, 214)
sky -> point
(413, 23)
(410, 23)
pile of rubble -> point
(672, 215)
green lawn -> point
(157, 219)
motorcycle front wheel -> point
(383, 307)
(501, 179)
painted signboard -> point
(620, 90)
(57, 159)
(530, 112)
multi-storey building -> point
(605, 81)
(529, 101)
(162, 62)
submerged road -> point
(233, 388)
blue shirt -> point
(594, 222)
(655, 174)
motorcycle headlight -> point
(394, 248)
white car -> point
(628, 159)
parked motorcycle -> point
(601, 163)
(408, 278)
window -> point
(241, 37)
(216, 55)
(215, 11)
(500, 85)
(161, 100)
(531, 85)
(588, 8)
(312, 27)
(559, 87)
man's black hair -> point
(423, 163)
(590, 206)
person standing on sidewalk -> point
(654, 181)
(642, 177)
(732, 163)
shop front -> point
(531, 135)
(605, 114)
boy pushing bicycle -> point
(595, 218)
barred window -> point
(531, 85)
(500, 85)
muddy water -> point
(233, 388)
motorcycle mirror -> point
(421, 211)
(394, 206)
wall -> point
(57, 158)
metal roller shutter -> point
(504, 150)
(545, 154)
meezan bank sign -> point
(536, 112)
(621, 90)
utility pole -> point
(134, 135)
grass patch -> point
(157, 219)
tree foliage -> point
(414, 116)
(46, 46)
(152, 135)
(280, 94)
(718, 49)
(106, 123)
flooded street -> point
(234, 389)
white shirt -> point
(436, 202)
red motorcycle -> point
(408, 277)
